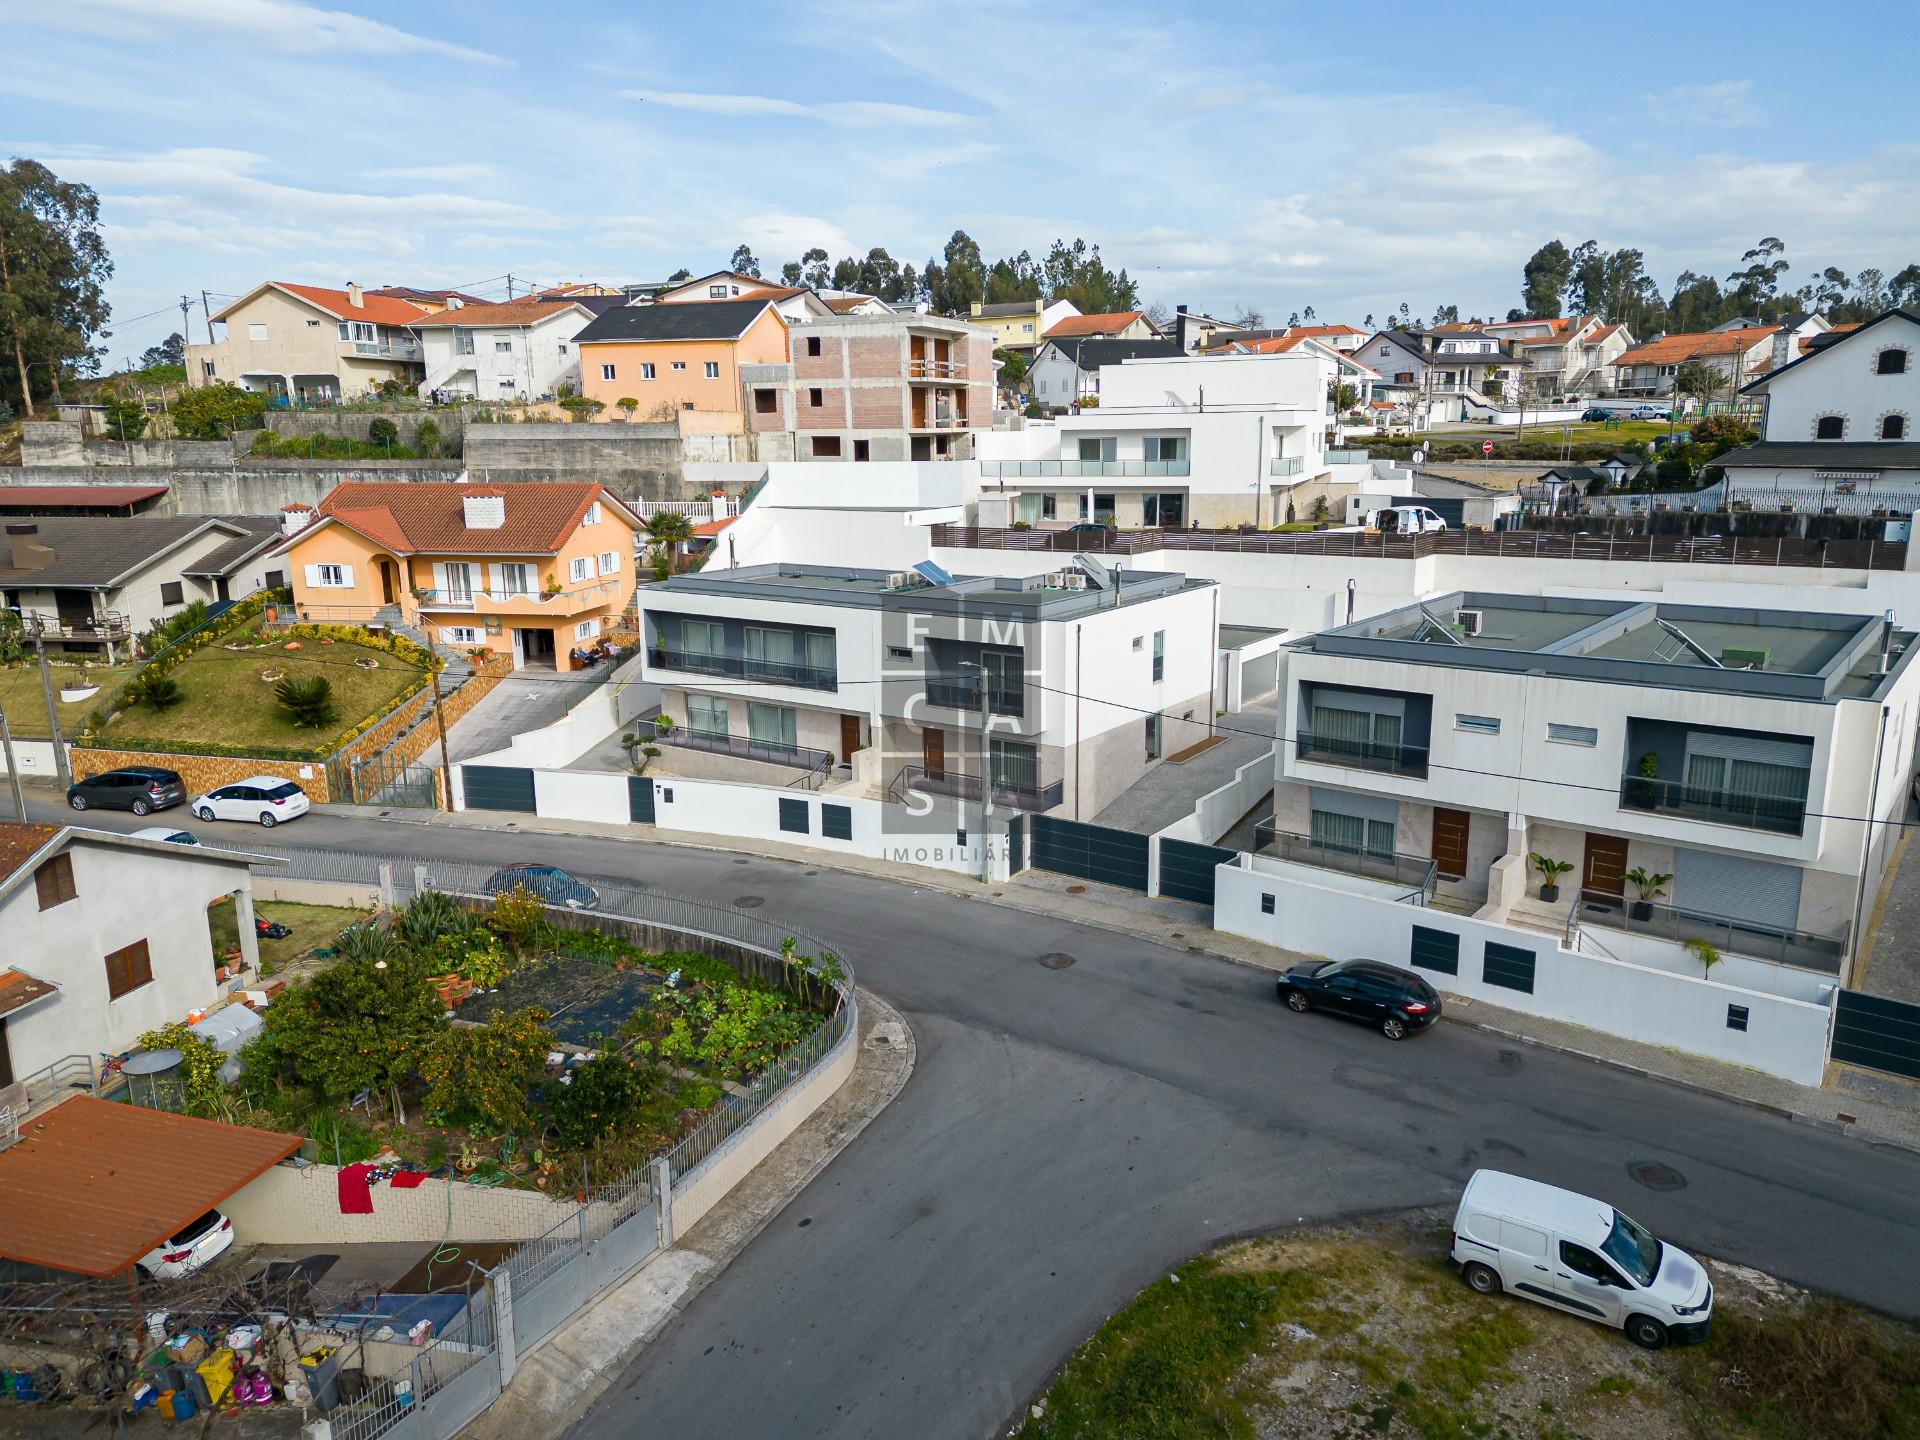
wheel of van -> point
(1394, 1028)
(1482, 1279)
(1297, 1002)
(1646, 1332)
(78, 802)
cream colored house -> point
(310, 344)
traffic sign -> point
(1486, 447)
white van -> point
(1405, 520)
(1578, 1255)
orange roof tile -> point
(18, 843)
(1674, 349)
(383, 309)
(426, 518)
(845, 304)
(18, 988)
(511, 312)
(771, 292)
(712, 527)
(1111, 324)
(1319, 330)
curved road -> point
(1070, 1134)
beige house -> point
(310, 344)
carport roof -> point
(93, 1185)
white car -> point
(166, 833)
(1579, 1255)
(1649, 412)
(209, 1236)
(1406, 520)
(263, 799)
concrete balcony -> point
(936, 370)
(111, 625)
(384, 350)
(1287, 465)
(1083, 469)
(570, 601)
(959, 785)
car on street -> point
(1596, 412)
(549, 882)
(192, 1249)
(1649, 412)
(164, 832)
(1405, 520)
(265, 800)
(1397, 1002)
(1579, 1255)
(139, 788)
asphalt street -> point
(1070, 1134)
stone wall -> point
(354, 424)
(204, 772)
(255, 487)
(639, 462)
(59, 443)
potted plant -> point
(1550, 872)
(1705, 954)
(1645, 791)
(663, 724)
(553, 583)
(1651, 885)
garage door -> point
(1259, 677)
(1755, 893)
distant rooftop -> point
(1780, 654)
(1038, 597)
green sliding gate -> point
(1090, 852)
(1186, 869)
(1877, 1033)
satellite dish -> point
(1419, 457)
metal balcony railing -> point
(1408, 760)
(1082, 469)
(1782, 815)
(1417, 873)
(964, 694)
(1784, 945)
(774, 672)
(817, 763)
(110, 626)
(1287, 465)
(961, 785)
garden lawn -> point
(312, 925)
(26, 706)
(227, 702)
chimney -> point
(24, 550)
(454, 302)
(354, 296)
(484, 512)
(295, 517)
(1179, 309)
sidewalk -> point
(1876, 1108)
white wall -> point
(1220, 809)
(1841, 380)
(36, 757)
(616, 703)
(878, 484)
(1784, 1037)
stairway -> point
(456, 668)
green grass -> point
(228, 702)
(26, 705)
(312, 925)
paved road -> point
(1070, 1134)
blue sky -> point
(1277, 155)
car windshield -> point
(198, 1228)
(282, 791)
(1633, 1249)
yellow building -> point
(1021, 325)
(531, 570)
(680, 360)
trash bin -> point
(322, 1374)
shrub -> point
(383, 432)
(429, 916)
(156, 692)
(308, 702)
(600, 1098)
(126, 417)
(213, 412)
(484, 1073)
(427, 440)
(203, 1091)
(518, 916)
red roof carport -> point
(93, 1185)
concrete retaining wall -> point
(354, 424)
(300, 1205)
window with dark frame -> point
(793, 817)
(813, 350)
(816, 398)
(1736, 1017)
(1891, 362)
(53, 882)
(172, 592)
(826, 447)
(1893, 427)
(128, 968)
(1266, 904)
(1830, 427)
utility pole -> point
(439, 720)
(986, 774)
(13, 770)
(53, 714)
(185, 303)
(206, 313)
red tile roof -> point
(712, 527)
(18, 988)
(382, 309)
(1675, 349)
(511, 312)
(424, 518)
(19, 843)
(844, 304)
(101, 497)
(1321, 330)
(771, 292)
(1111, 324)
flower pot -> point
(1549, 893)
(1641, 910)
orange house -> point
(530, 570)
(680, 361)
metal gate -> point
(1091, 852)
(499, 787)
(1877, 1033)
(1016, 844)
(640, 799)
(1186, 869)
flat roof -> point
(89, 497)
(1039, 597)
(93, 1185)
(1782, 654)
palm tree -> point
(668, 529)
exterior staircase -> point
(456, 669)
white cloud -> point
(833, 112)
(452, 174)
(1724, 103)
(287, 25)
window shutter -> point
(313, 577)
(440, 579)
(346, 576)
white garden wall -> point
(1218, 811)
(1783, 1037)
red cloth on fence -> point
(408, 1179)
(356, 1195)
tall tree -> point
(792, 274)
(743, 262)
(1012, 280)
(170, 351)
(53, 267)
(1756, 287)
(1077, 274)
(880, 275)
(1446, 314)
(816, 271)
(959, 279)
(1696, 304)
(1543, 280)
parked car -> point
(1596, 412)
(1579, 1255)
(1405, 520)
(192, 1249)
(549, 882)
(1649, 412)
(1398, 1001)
(264, 799)
(166, 833)
(139, 788)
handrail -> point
(1781, 944)
(777, 672)
(818, 763)
(1780, 814)
(1420, 873)
(960, 785)
(1313, 749)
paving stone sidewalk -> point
(1875, 1108)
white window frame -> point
(716, 292)
(514, 578)
(679, 365)
(646, 370)
(463, 635)
(607, 371)
(503, 347)
(592, 514)
(586, 630)
(713, 369)
(609, 562)
(1586, 736)
(329, 576)
(579, 568)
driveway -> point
(1169, 791)
(525, 700)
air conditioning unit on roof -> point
(1468, 621)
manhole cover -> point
(1055, 960)
(1655, 1176)
(813, 872)
(750, 902)
(743, 862)
(1076, 889)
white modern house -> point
(1727, 753)
(521, 350)
(1063, 688)
(1839, 423)
(1066, 370)
(1176, 441)
(107, 938)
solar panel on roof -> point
(932, 573)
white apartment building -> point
(1185, 440)
(1066, 370)
(521, 350)
(1063, 688)
(1726, 754)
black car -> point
(139, 788)
(1398, 1001)
(549, 882)
(1596, 412)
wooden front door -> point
(933, 751)
(389, 583)
(1606, 866)
(1450, 842)
(849, 737)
